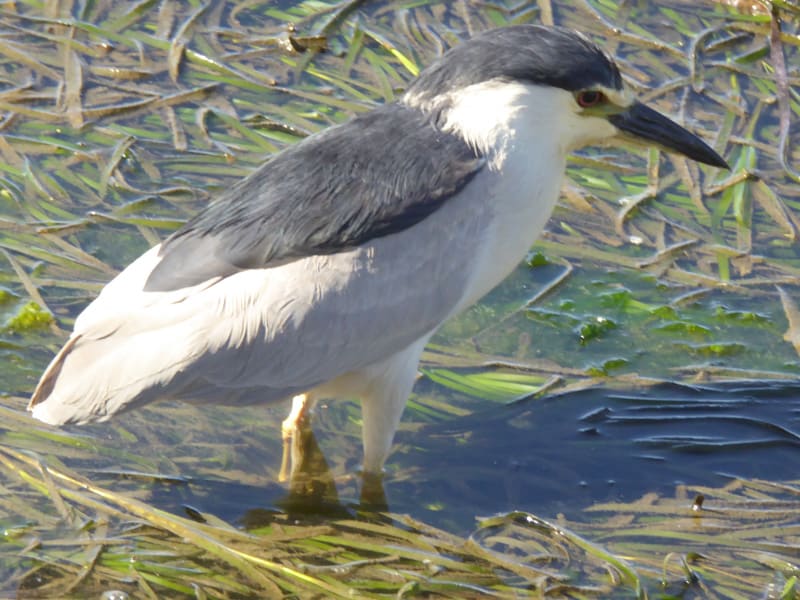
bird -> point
(324, 272)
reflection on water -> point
(547, 456)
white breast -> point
(524, 130)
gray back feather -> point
(378, 174)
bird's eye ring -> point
(588, 98)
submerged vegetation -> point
(119, 120)
(82, 540)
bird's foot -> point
(299, 419)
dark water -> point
(566, 452)
(556, 455)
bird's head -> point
(569, 88)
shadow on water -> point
(565, 452)
(547, 456)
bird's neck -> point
(518, 128)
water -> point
(547, 456)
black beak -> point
(645, 124)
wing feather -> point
(330, 192)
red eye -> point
(589, 98)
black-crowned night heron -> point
(325, 272)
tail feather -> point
(117, 357)
(47, 383)
(92, 379)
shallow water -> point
(551, 456)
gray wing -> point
(378, 174)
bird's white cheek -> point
(584, 131)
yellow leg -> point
(299, 417)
